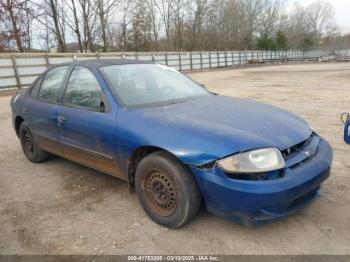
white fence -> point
(20, 70)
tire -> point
(29, 146)
(167, 190)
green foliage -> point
(281, 41)
(308, 42)
(265, 43)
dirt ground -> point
(59, 207)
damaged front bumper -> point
(257, 202)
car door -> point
(40, 109)
(87, 124)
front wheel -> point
(167, 190)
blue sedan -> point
(177, 144)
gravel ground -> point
(59, 207)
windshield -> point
(139, 84)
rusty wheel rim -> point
(160, 192)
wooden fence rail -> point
(20, 70)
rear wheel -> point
(167, 190)
(29, 146)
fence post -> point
(166, 58)
(180, 61)
(153, 58)
(201, 60)
(232, 58)
(240, 57)
(191, 61)
(136, 56)
(218, 59)
(47, 63)
(209, 59)
(225, 59)
(15, 70)
(98, 55)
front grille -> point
(296, 148)
(301, 152)
(308, 144)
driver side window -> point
(50, 86)
(83, 90)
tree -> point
(124, 25)
(153, 17)
(252, 10)
(281, 41)
(104, 9)
(316, 21)
(49, 15)
(165, 8)
(75, 23)
(16, 16)
(200, 9)
(321, 18)
(82, 20)
(141, 27)
(54, 14)
(307, 43)
(178, 22)
(297, 26)
(271, 17)
(166, 25)
(265, 43)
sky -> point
(342, 12)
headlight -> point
(256, 161)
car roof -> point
(107, 62)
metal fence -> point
(20, 70)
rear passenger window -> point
(83, 89)
(50, 86)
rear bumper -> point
(257, 202)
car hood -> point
(209, 128)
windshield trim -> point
(153, 104)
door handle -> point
(61, 118)
(25, 109)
